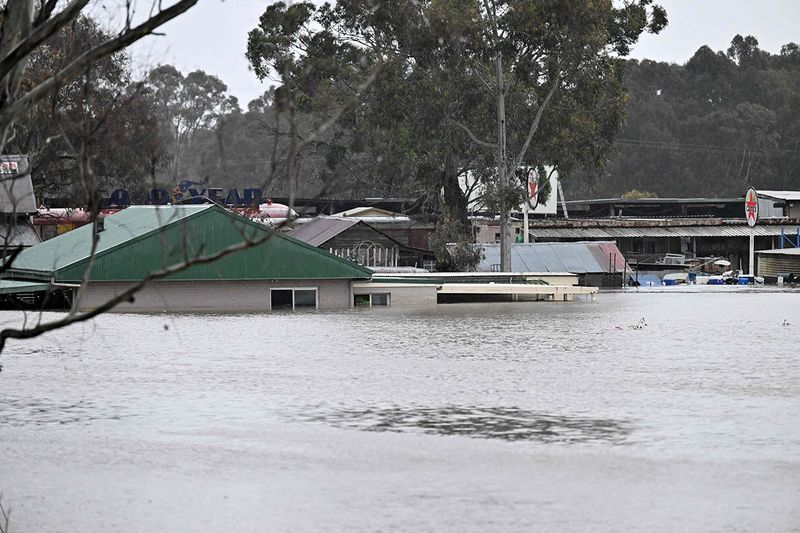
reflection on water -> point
(505, 423)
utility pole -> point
(502, 173)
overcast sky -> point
(212, 36)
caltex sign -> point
(751, 207)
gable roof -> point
(142, 239)
(368, 211)
(322, 229)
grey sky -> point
(212, 36)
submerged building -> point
(278, 272)
(356, 240)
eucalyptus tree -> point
(530, 55)
(25, 25)
(105, 103)
(187, 104)
(481, 86)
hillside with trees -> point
(713, 127)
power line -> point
(708, 148)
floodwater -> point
(499, 417)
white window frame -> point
(388, 298)
(293, 289)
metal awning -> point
(611, 233)
(12, 286)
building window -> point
(293, 298)
(380, 298)
(305, 298)
(369, 300)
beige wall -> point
(402, 294)
(213, 296)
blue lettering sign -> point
(252, 197)
(215, 195)
(120, 197)
(159, 196)
(187, 194)
(233, 198)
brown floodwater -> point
(464, 417)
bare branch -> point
(39, 35)
(79, 65)
(128, 294)
(472, 135)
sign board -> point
(533, 188)
(542, 192)
(751, 207)
(9, 167)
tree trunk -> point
(455, 204)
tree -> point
(26, 24)
(449, 65)
(188, 104)
(24, 34)
(25, 27)
(126, 145)
(711, 127)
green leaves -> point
(271, 46)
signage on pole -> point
(751, 207)
(533, 188)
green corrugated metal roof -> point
(142, 239)
(8, 286)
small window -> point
(368, 300)
(281, 299)
(380, 298)
(293, 298)
(361, 300)
(305, 298)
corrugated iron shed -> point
(790, 196)
(142, 239)
(575, 257)
(780, 251)
(322, 229)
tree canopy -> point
(714, 126)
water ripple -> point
(43, 411)
(504, 423)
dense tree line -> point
(711, 127)
(411, 131)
